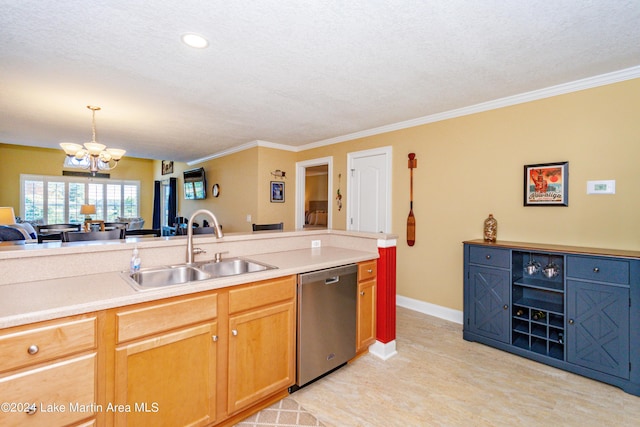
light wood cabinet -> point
(49, 373)
(366, 307)
(201, 360)
(168, 378)
(261, 342)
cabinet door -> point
(261, 354)
(488, 311)
(366, 332)
(598, 329)
(168, 380)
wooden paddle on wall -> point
(411, 220)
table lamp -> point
(7, 216)
(87, 211)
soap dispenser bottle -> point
(135, 261)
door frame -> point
(351, 157)
(301, 179)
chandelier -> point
(93, 155)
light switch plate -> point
(601, 187)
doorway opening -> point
(313, 192)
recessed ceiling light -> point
(195, 40)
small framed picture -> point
(277, 192)
(546, 184)
(167, 167)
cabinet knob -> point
(33, 349)
(571, 321)
(214, 338)
(234, 332)
(596, 270)
(31, 409)
(370, 270)
(506, 307)
(362, 293)
(488, 257)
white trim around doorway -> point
(301, 168)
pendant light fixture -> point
(93, 156)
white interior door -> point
(369, 196)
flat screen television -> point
(195, 184)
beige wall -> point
(339, 154)
(271, 160)
(244, 180)
(471, 166)
(468, 167)
(315, 189)
(17, 159)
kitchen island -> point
(226, 343)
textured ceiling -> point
(284, 71)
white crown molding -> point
(246, 146)
(561, 89)
(277, 146)
(587, 83)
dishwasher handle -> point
(329, 275)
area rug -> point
(285, 413)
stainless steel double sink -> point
(172, 275)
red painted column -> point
(386, 295)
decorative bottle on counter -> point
(490, 229)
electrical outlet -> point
(315, 243)
(248, 217)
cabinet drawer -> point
(262, 293)
(489, 256)
(367, 270)
(68, 385)
(46, 341)
(152, 319)
(598, 269)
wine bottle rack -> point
(544, 336)
(538, 304)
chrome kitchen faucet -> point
(191, 251)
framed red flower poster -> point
(546, 184)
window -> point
(57, 199)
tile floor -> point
(285, 413)
(438, 379)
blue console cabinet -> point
(568, 307)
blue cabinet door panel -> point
(490, 312)
(598, 329)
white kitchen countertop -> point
(28, 302)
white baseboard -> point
(430, 309)
(382, 350)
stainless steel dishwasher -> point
(326, 321)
